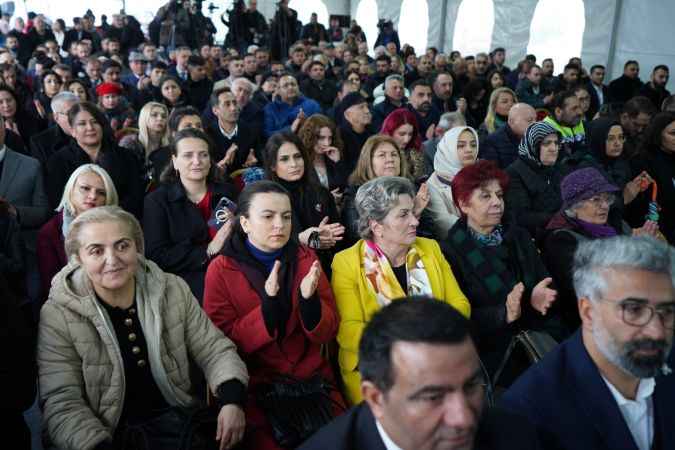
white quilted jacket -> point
(81, 372)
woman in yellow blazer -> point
(388, 263)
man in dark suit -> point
(608, 386)
(599, 91)
(75, 34)
(423, 388)
(627, 85)
(51, 140)
(236, 145)
(22, 186)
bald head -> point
(521, 116)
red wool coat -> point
(235, 307)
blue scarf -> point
(265, 258)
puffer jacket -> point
(81, 373)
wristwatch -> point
(314, 241)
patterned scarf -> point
(382, 280)
(492, 239)
(530, 144)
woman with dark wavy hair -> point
(321, 138)
(315, 216)
(93, 142)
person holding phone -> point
(184, 219)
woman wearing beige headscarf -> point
(457, 149)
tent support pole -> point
(441, 35)
(612, 42)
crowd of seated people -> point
(194, 238)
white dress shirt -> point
(388, 443)
(230, 135)
(598, 91)
(638, 413)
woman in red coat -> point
(269, 295)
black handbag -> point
(296, 409)
(532, 344)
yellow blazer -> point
(356, 301)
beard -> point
(626, 357)
(425, 107)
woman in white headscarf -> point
(457, 149)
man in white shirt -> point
(609, 386)
(423, 388)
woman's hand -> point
(635, 186)
(231, 426)
(332, 153)
(421, 200)
(295, 126)
(542, 296)
(513, 308)
(216, 244)
(650, 228)
(272, 282)
(310, 281)
(329, 234)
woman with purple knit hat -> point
(585, 214)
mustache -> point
(647, 344)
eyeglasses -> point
(638, 313)
(598, 200)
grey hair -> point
(103, 214)
(593, 257)
(242, 80)
(450, 120)
(61, 99)
(393, 77)
(376, 198)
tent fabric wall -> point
(512, 27)
(597, 39)
(643, 31)
(451, 8)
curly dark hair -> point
(309, 133)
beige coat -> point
(81, 373)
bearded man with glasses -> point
(609, 386)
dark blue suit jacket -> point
(572, 407)
(356, 430)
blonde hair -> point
(364, 166)
(143, 133)
(103, 214)
(111, 198)
(491, 115)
